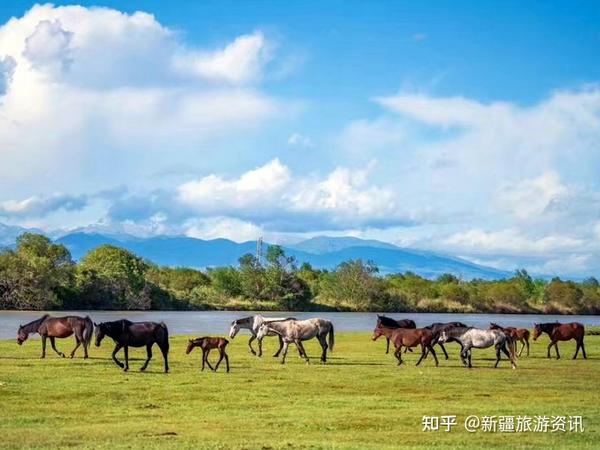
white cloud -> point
(94, 96)
(511, 241)
(299, 140)
(223, 227)
(531, 198)
(241, 61)
(40, 206)
(274, 196)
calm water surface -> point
(217, 322)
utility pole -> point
(259, 250)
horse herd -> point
(403, 334)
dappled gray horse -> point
(296, 331)
(253, 323)
(476, 338)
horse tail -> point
(88, 331)
(331, 337)
(511, 344)
(166, 335)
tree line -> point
(41, 275)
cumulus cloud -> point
(273, 196)
(241, 61)
(36, 206)
(518, 178)
(96, 93)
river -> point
(217, 322)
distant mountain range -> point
(321, 252)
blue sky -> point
(471, 128)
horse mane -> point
(244, 320)
(387, 322)
(34, 324)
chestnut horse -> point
(561, 332)
(384, 321)
(408, 337)
(59, 327)
(518, 334)
(207, 343)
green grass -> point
(360, 400)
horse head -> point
(263, 330)
(100, 332)
(377, 333)
(235, 327)
(537, 330)
(22, 335)
(191, 344)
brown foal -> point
(408, 337)
(517, 334)
(207, 343)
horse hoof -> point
(126, 369)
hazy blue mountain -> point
(9, 234)
(324, 244)
(186, 251)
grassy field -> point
(360, 400)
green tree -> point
(112, 277)
(38, 274)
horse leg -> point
(78, 343)
(53, 344)
(556, 348)
(280, 347)
(522, 347)
(148, 356)
(226, 359)
(430, 347)
(398, 355)
(527, 342)
(302, 351)
(285, 350)
(164, 349)
(250, 344)
(324, 347)
(220, 359)
(423, 354)
(549, 346)
(259, 347)
(387, 348)
(208, 362)
(43, 346)
(126, 352)
(443, 349)
(114, 355)
(583, 349)
(497, 355)
(203, 358)
(509, 356)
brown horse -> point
(59, 327)
(384, 321)
(517, 334)
(207, 343)
(561, 332)
(408, 337)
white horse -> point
(296, 331)
(253, 323)
(477, 338)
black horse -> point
(437, 329)
(134, 334)
(388, 322)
